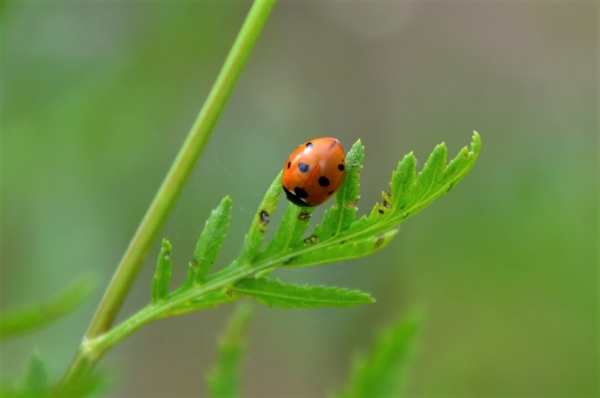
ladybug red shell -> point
(314, 172)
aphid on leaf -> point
(314, 172)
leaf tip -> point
(409, 158)
(476, 142)
(440, 148)
(356, 153)
(226, 203)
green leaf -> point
(256, 235)
(341, 215)
(224, 379)
(291, 230)
(26, 319)
(345, 250)
(210, 242)
(407, 195)
(35, 384)
(162, 275)
(275, 294)
(35, 379)
(384, 372)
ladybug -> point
(314, 172)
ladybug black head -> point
(292, 197)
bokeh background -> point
(97, 97)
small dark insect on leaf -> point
(304, 216)
(311, 240)
(352, 205)
(264, 217)
(379, 241)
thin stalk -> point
(171, 187)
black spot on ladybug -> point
(379, 242)
(289, 165)
(381, 211)
(323, 181)
(264, 217)
(329, 193)
(309, 144)
(303, 167)
(341, 167)
(301, 193)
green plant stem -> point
(171, 187)
(98, 346)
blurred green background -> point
(98, 97)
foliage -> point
(35, 383)
(275, 294)
(223, 380)
(338, 237)
(384, 371)
(26, 319)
